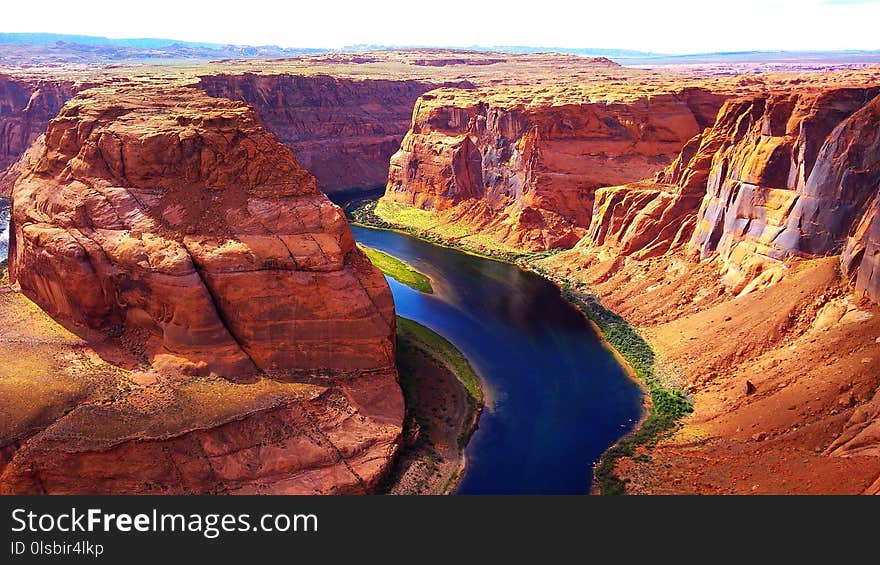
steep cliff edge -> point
(738, 264)
(244, 343)
(26, 106)
(521, 165)
(342, 131)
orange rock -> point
(523, 164)
(782, 186)
(192, 241)
(777, 176)
(26, 106)
(342, 131)
(729, 259)
(861, 257)
(178, 213)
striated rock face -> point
(861, 257)
(651, 217)
(190, 244)
(861, 139)
(184, 217)
(26, 106)
(729, 262)
(208, 437)
(777, 176)
(342, 131)
(524, 167)
(796, 175)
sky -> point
(672, 26)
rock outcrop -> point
(793, 182)
(342, 131)
(522, 165)
(729, 261)
(175, 228)
(861, 257)
(182, 215)
(777, 176)
(26, 106)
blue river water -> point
(556, 397)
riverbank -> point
(363, 213)
(398, 270)
(665, 404)
(444, 399)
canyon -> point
(342, 131)
(746, 256)
(239, 340)
(523, 164)
(26, 106)
(746, 264)
(182, 295)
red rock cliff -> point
(184, 216)
(26, 106)
(522, 165)
(729, 264)
(777, 176)
(182, 231)
(861, 257)
(342, 131)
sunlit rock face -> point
(180, 214)
(522, 166)
(777, 176)
(234, 339)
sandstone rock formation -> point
(777, 176)
(182, 215)
(861, 257)
(524, 166)
(191, 245)
(74, 424)
(793, 183)
(729, 262)
(342, 131)
(26, 106)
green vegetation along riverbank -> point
(444, 398)
(398, 270)
(667, 404)
(364, 214)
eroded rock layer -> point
(26, 106)
(246, 343)
(72, 422)
(735, 263)
(523, 165)
(777, 176)
(178, 213)
(342, 131)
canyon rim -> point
(185, 310)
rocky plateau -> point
(187, 312)
(240, 341)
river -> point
(557, 398)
